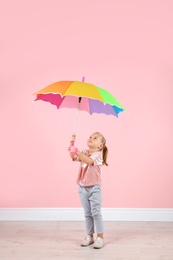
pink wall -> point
(123, 46)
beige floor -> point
(61, 240)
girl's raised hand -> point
(72, 148)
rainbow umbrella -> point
(80, 95)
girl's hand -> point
(72, 149)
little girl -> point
(89, 181)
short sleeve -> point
(97, 158)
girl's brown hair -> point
(105, 149)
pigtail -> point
(105, 155)
(104, 149)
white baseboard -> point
(76, 214)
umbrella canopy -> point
(69, 94)
(80, 95)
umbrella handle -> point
(72, 144)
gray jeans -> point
(91, 199)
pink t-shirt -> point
(90, 175)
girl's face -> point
(95, 142)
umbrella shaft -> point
(77, 114)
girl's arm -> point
(75, 153)
(84, 158)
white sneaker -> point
(88, 240)
(99, 243)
